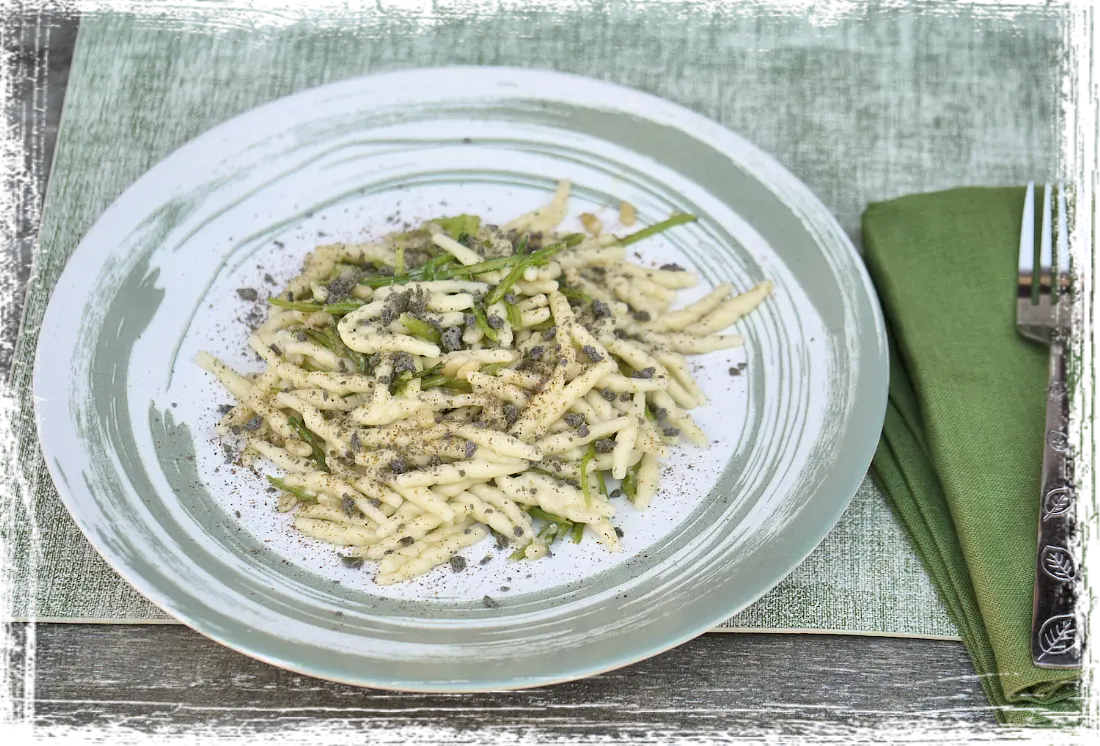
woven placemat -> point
(863, 109)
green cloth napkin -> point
(960, 452)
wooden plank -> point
(167, 677)
(41, 47)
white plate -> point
(126, 417)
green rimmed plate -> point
(126, 419)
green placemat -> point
(866, 108)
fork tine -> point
(1062, 260)
(1045, 241)
(1084, 250)
(1027, 235)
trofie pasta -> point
(463, 379)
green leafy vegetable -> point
(344, 306)
(420, 329)
(435, 265)
(316, 336)
(442, 271)
(491, 369)
(575, 294)
(515, 318)
(433, 381)
(483, 323)
(400, 381)
(459, 224)
(309, 307)
(551, 532)
(537, 512)
(399, 260)
(329, 338)
(523, 261)
(437, 380)
(578, 532)
(664, 225)
(600, 481)
(306, 436)
(298, 492)
(629, 485)
(379, 281)
(556, 527)
(429, 371)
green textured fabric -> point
(875, 103)
(961, 449)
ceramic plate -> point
(126, 418)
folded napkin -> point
(960, 452)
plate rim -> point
(699, 122)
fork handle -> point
(1056, 639)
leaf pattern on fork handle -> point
(1056, 640)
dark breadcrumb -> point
(593, 355)
(402, 362)
(452, 339)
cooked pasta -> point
(462, 379)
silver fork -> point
(1043, 314)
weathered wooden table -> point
(168, 679)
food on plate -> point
(464, 379)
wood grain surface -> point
(152, 677)
(167, 679)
